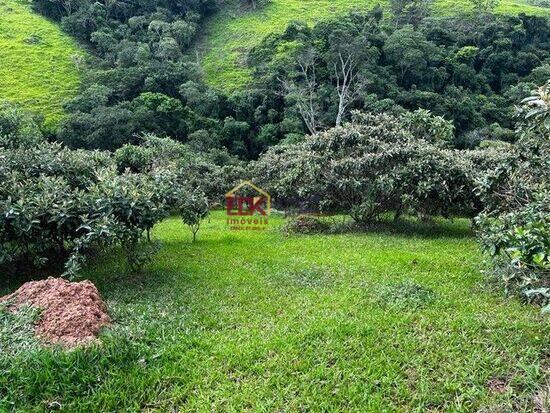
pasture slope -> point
(37, 61)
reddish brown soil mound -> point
(72, 313)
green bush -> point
(522, 237)
(133, 158)
(57, 205)
(51, 217)
(374, 165)
(514, 228)
(194, 208)
(213, 172)
(17, 128)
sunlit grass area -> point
(396, 319)
(37, 68)
(233, 31)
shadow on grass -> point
(410, 227)
(187, 246)
(16, 275)
(111, 274)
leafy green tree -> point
(373, 165)
(411, 54)
(156, 112)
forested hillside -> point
(230, 34)
(470, 69)
(38, 62)
(158, 67)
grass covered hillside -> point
(236, 29)
(37, 68)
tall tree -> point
(302, 89)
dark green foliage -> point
(471, 71)
(139, 78)
(151, 152)
(541, 3)
(58, 205)
(17, 128)
(134, 158)
(372, 166)
(140, 253)
(136, 67)
(213, 172)
(192, 182)
(515, 225)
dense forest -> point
(470, 69)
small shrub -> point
(17, 127)
(306, 224)
(514, 228)
(134, 158)
(193, 209)
(423, 125)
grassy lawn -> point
(249, 321)
(233, 31)
(36, 65)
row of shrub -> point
(59, 205)
(378, 164)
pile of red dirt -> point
(72, 314)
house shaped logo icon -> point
(256, 200)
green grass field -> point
(36, 61)
(248, 321)
(233, 31)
